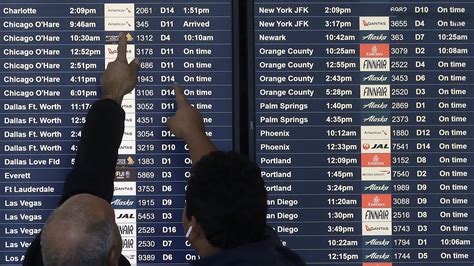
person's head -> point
(226, 203)
(82, 231)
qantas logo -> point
(377, 228)
(369, 228)
(373, 23)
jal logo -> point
(377, 264)
(375, 146)
(374, 50)
(374, 23)
(375, 64)
(126, 216)
(380, 147)
(376, 200)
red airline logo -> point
(376, 200)
(377, 264)
(376, 160)
(374, 50)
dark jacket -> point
(94, 167)
(268, 252)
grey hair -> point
(93, 246)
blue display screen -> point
(52, 55)
(364, 128)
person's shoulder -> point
(286, 255)
(123, 261)
(33, 256)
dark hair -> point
(227, 196)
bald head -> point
(82, 231)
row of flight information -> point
(360, 115)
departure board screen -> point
(364, 128)
(52, 54)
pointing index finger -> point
(180, 97)
(122, 48)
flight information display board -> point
(52, 54)
(364, 128)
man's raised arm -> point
(188, 124)
(94, 167)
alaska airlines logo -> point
(376, 242)
(375, 187)
(375, 78)
(120, 202)
(375, 105)
(375, 37)
(375, 119)
(376, 256)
